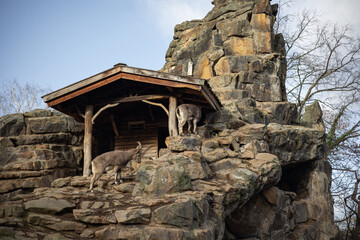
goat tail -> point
(91, 167)
(177, 112)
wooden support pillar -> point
(113, 123)
(173, 131)
(88, 140)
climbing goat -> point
(118, 159)
(188, 113)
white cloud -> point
(167, 13)
(342, 12)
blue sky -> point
(56, 43)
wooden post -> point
(173, 131)
(88, 140)
(114, 125)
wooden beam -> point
(140, 98)
(125, 76)
(88, 140)
(173, 131)
(210, 98)
(116, 71)
(157, 81)
(162, 75)
(84, 90)
(103, 109)
(129, 99)
(79, 112)
(81, 84)
(157, 104)
(113, 123)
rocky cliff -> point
(36, 148)
(250, 173)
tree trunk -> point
(88, 140)
(355, 234)
(173, 131)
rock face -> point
(37, 147)
(251, 173)
(230, 187)
(235, 49)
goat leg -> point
(195, 124)
(117, 171)
(94, 178)
(189, 126)
(181, 125)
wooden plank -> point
(133, 141)
(87, 140)
(117, 77)
(134, 134)
(211, 98)
(84, 90)
(81, 84)
(162, 82)
(140, 98)
(138, 138)
(118, 69)
(148, 150)
(173, 131)
(122, 143)
(162, 75)
(126, 147)
(144, 146)
(148, 139)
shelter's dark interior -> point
(128, 112)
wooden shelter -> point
(123, 105)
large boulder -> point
(184, 214)
(295, 143)
(183, 143)
(48, 205)
(12, 125)
(168, 179)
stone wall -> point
(36, 148)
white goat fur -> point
(118, 159)
(188, 113)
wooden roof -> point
(128, 84)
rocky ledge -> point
(228, 186)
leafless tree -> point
(18, 98)
(323, 64)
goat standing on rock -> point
(118, 159)
(188, 113)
